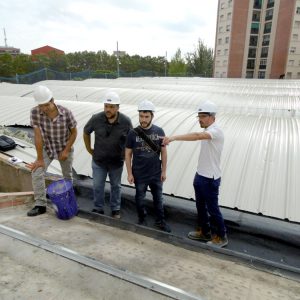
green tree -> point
(177, 66)
(22, 64)
(200, 62)
(57, 62)
(6, 65)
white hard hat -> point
(42, 95)
(207, 107)
(146, 105)
(112, 98)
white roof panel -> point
(261, 122)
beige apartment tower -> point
(258, 39)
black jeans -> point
(155, 185)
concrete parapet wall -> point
(14, 199)
(16, 177)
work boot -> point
(199, 235)
(162, 225)
(218, 241)
(37, 210)
(116, 214)
(98, 211)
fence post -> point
(17, 78)
(46, 74)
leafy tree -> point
(101, 64)
(177, 66)
(57, 62)
(200, 62)
(22, 64)
(6, 65)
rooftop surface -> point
(201, 274)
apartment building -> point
(258, 39)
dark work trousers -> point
(155, 186)
(210, 218)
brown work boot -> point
(199, 235)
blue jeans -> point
(155, 186)
(99, 178)
(210, 218)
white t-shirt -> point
(210, 153)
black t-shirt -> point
(145, 163)
(110, 139)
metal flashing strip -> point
(145, 282)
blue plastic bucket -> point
(62, 196)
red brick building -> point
(46, 50)
(258, 39)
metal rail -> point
(145, 282)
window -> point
(251, 64)
(227, 40)
(263, 64)
(268, 27)
(298, 10)
(295, 36)
(252, 53)
(291, 63)
(225, 51)
(288, 75)
(219, 41)
(227, 27)
(229, 16)
(218, 52)
(220, 29)
(292, 50)
(249, 74)
(218, 63)
(261, 74)
(229, 3)
(224, 63)
(256, 16)
(257, 4)
(222, 5)
(297, 24)
(269, 14)
(253, 40)
(266, 40)
(221, 18)
(254, 28)
(270, 3)
(298, 75)
(264, 51)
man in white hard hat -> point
(54, 135)
(110, 128)
(144, 168)
(211, 227)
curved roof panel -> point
(261, 122)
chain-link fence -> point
(48, 74)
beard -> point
(110, 115)
(145, 124)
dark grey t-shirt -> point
(146, 164)
(110, 139)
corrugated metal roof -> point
(260, 160)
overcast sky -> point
(143, 27)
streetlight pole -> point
(118, 61)
(166, 65)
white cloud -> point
(144, 27)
